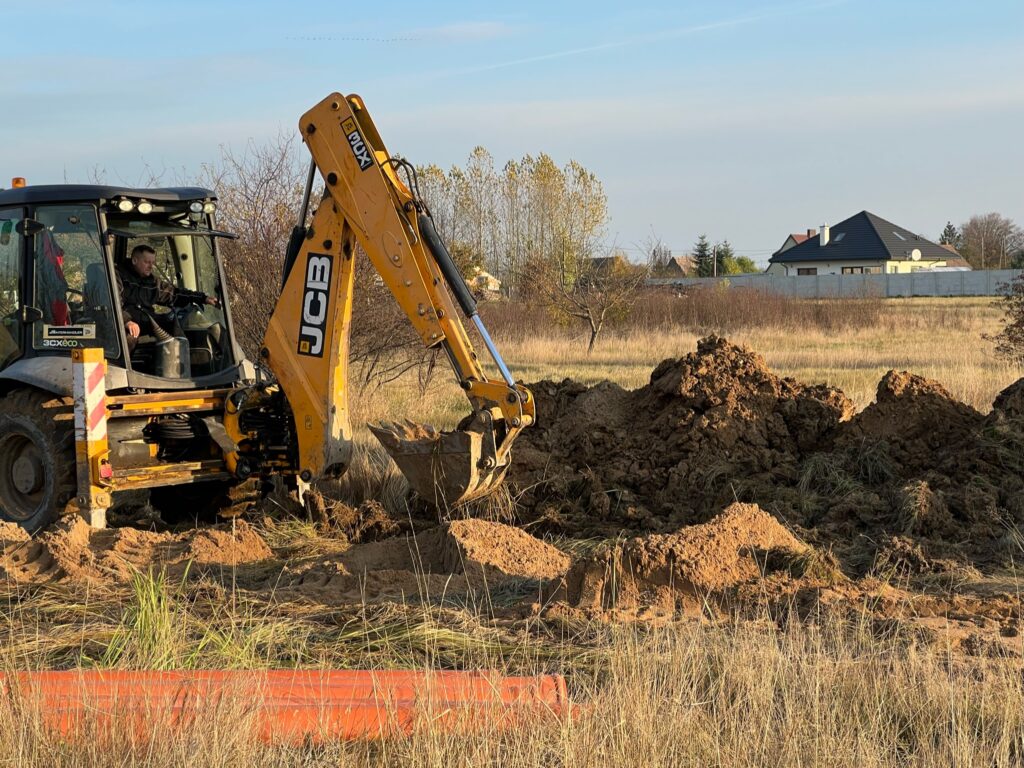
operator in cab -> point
(141, 290)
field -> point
(866, 612)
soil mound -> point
(73, 551)
(717, 426)
(449, 560)
(11, 533)
(674, 452)
(683, 571)
(920, 464)
(918, 420)
(494, 551)
(1009, 404)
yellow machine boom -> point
(306, 343)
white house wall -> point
(836, 267)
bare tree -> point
(260, 192)
(592, 290)
(989, 241)
(1010, 339)
(658, 255)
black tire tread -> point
(53, 416)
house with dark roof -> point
(862, 244)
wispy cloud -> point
(668, 34)
(581, 123)
(458, 32)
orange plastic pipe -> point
(287, 705)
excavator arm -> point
(307, 339)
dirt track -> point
(718, 489)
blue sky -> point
(745, 120)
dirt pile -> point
(684, 572)
(706, 427)
(919, 463)
(916, 418)
(717, 426)
(492, 551)
(450, 560)
(73, 551)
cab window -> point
(10, 285)
(71, 284)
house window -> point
(807, 270)
(893, 269)
(872, 270)
(853, 270)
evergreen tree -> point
(726, 258)
(703, 257)
(950, 236)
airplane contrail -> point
(655, 37)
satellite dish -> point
(915, 254)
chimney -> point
(812, 233)
(823, 237)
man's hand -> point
(133, 329)
(213, 301)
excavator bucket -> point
(444, 468)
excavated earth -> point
(717, 490)
(719, 426)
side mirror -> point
(31, 315)
(27, 227)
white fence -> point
(981, 282)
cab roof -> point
(77, 193)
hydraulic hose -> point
(299, 230)
(463, 295)
(444, 260)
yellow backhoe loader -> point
(119, 368)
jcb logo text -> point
(315, 299)
(358, 146)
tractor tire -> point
(37, 457)
(193, 502)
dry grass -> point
(937, 338)
(746, 694)
(832, 693)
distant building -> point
(862, 244)
(675, 266)
(796, 239)
(664, 264)
(484, 282)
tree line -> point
(987, 241)
(531, 210)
